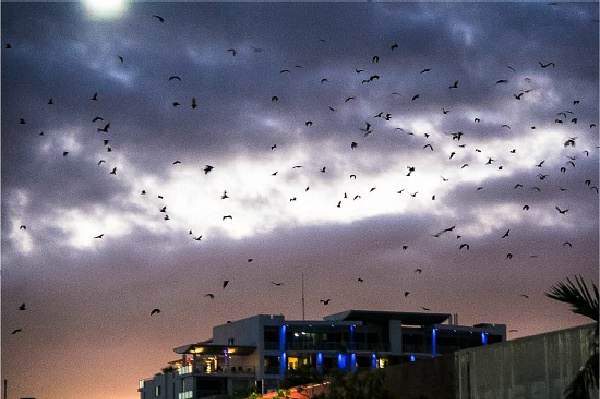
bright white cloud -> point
(105, 9)
(19, 236)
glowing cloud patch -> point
(105, 9)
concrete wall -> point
(170, 386)
(244, 332)
(395, 334)
(247, 331)
(431, 378)
(535, 367)
(539, 366)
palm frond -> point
(578, 296)
(585, 381)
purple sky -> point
(87, 330)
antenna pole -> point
(302, 296)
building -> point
(258, 352)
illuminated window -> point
(292, 363)
(157, 390)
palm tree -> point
(578, 296)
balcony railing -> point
(186, 370)
(272, 370)
(186, 395)
(271, 345)
(337, 346)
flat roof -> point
(382, 316)
(202, 348)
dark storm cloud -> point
(82, 289)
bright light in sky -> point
(104, 9)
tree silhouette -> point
(578, 296)
(357, 385)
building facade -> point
(258, 352)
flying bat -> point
(546, 65)
(448, 229)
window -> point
(271, 337)
(157, 390)
(292, 363)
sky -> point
(444, 150)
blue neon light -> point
(282, 332)
(373, 361)
(341, 361)
(413, 358)
(484, 337)
(433, 341)
(282, 354)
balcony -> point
(272, 370)
(186, 395)
(271, 345)
(189, 371)
(337, 346)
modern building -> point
(258, 352)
